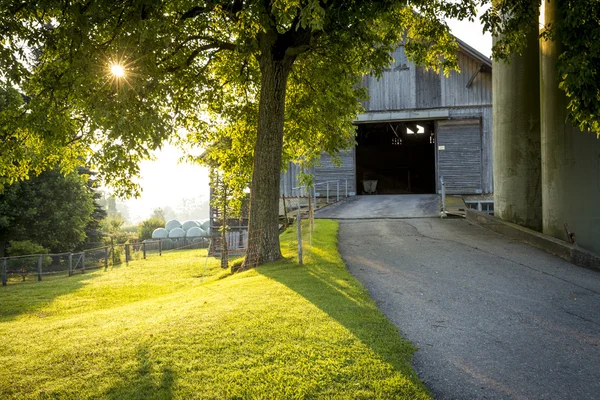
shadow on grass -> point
(325, 281)
(29, 297)
(150, 380)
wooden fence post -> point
(299, 221)
(106, 258)
(70, 264)
(127, 253)
(82, 262)
(40, 267)
(112, 248)
(144, 250)
(159, 247)
(4, 273)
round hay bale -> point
(187, 225)
(173, 224)
(160, 233)
(195, 232)
(176, 233)
(205, 225)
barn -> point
(418, 126)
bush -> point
(24, 248)
(27, 264)
(148, 226)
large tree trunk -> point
(263, 226)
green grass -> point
(156, 329)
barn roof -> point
(474, 53)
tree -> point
(148, 226)
(93, 229)
(219, 69)
(50, 210)
(578, 31)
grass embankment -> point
(156, 330)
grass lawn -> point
(155, 329)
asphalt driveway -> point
(384, 206)
(493, 318)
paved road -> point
(384, 206)
(493, 318)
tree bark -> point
(263, 225)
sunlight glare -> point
(117, 70)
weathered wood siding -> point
(329, 171)
(459, 155)
(485, 113)
(454, 89)
(395, 90)
(405, 86)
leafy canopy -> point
(578, 31)
(50, 210)
(192, 67)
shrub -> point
(27, 264)
(148, 226)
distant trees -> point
(50, 210)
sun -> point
(117, 70)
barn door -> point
(459, 155)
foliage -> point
(222, 70)
(281, 331)
(27, 264)
(113, 224)
(148, 226)
(51, 209)
(578, 30)
(93, 230)
(25, 247)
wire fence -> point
(37, 266)
(234, 243)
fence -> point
(320, 194)
(37, 266)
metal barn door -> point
(459, 155)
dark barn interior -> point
(400, 156)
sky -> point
(165, 181)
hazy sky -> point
(165, 182)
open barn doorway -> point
(400, 156)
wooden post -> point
(159, 247)
(112, 249)
(285, 214)
(106, 257)
(144, 250)
(299, 222)
(310, 216)
(39, 267)
(70, 264)
(4, 273)
(127, 253)
(82, 262)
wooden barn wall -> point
(395, 90)
(454, 90)
(485, 113)
(459, 162)
(288, 180)
(404, 86)
(328, 171)
(428, 88)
